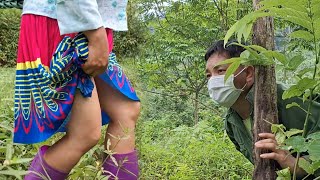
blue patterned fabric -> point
(44, 97)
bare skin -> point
(84, 127)
(242, 107)
(83, 132)
(123, 113)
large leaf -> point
(276, 55)
(231, 69)
(298, 5)
(300, 88)
(293, 132)
(284, 174)
(15, 173)
(284, 12)
(301, 34)
(314, 150)
(229, 61)
(305, 165)
(243, 25)
(314, 136)
(279, 131)
(295, 62)
(297, 143)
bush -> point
(188, 153)
(9, 34)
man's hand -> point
(97, 61)
(283, 157)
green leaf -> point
(295, 62)
(314, 150)
(291, 15)
(300, 88)
(257, 48)
(277, 128)
(279, 131)
(245, 54)
(230, 32)
(305, 165)
(9, 151)
(253, 52)
(316, 166)
(245, 21)
(284, 174)
(293, 132)
(314, 136)
(20, 161)
(247, 31)
(298, 5)
(294, 104)
(297, 143)
(279, 56)
(280, 137)
(229, 61)
(304, 71)
(301, 34)
(231, 69)
(15, 173)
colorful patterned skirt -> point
(49, 73)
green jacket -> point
(293, 117)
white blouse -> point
(81, 15)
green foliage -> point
(12, 158)
(284, 174)
(129, 43)
(9, 34)
(289, 141)
(198, 152)
(180, 32)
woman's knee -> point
(135, 111)
(86, 140)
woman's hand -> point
(97, 61)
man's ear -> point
(250, 75)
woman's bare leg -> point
(123, 113)
(83, 132)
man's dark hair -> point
(231, 50)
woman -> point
(65, 83)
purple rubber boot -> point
(39, 168)
(127, 169)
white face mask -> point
(225, 94)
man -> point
(237, 95)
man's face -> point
(213, 70)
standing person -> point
(64, 82)
(237, 95)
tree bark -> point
(265, 99)
(196, 107)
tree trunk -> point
(265, 99)
(196, 108)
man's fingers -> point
(269, 145)
(273, 155)
(267, 135)
(267, 141)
